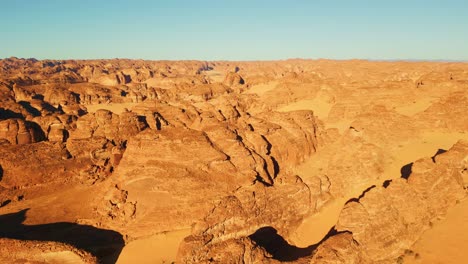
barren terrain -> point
(299, 161)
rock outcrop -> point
(387, 220)
(18, 132)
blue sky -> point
(234, 30)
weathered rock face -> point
(449, 113)
(376, 228)
(57, 96)
(250, 208)
(19, 251)
(106, 124)
(17, 131)
(230, 251)
(52, 165)
(56, 127)
(244, 154)
(233, 79)
(388, 220)
(178, 162)
(340, 248)
(182, 159)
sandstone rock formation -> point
(18, 251)
(254, 162)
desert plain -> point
(294, 161)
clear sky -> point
(234, 30)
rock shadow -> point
(39, 135)
(7, 114)
(386, 183)
(28, 107)
(362, 195)
(276, 167)
(38, 96)
(406, 170)
(106, 245)
(269, 239)
(439, 151)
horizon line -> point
(248, 60)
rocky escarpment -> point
(378, 227)
(389, 219)
(236, 217)
(214, 153)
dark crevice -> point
(360, 196)
(6, 202)
(66, 135)
(439, 151)
(106, 245)
(262, 181)
(38, 96)
(268, 145)
(48, 107)
(77, 97)
(406, 170)
(270, 177)
(386, 183)
(276, 168)
(143, 120)
(158, 124)
(27, 106)
(39, 134)
(7, 114)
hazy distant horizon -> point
(272, 60)
(244, 30)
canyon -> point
(297, 161)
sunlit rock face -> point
(295, 161)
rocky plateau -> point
(295, 161)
